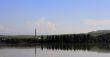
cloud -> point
(97, 22)
(43, 26)
(47, 26)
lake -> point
(55, 50)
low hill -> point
(99, 32)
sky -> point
(21, 17)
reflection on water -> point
(42, 50)
(61, 46)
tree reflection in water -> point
(62, 46)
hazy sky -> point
(53, 16)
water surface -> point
(55, 50)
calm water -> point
(55, 50)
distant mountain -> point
(99, 32)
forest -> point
(64, 38)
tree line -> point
(66, 38)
